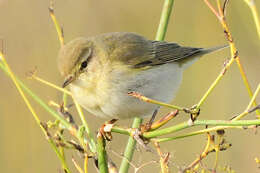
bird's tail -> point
(213, 49)
(200, 53)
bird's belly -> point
(159, 83)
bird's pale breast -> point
(109, 97)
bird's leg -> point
(105, 129)
(165, 119)
(149, 124)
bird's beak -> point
(67, 81)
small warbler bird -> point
(102, 70)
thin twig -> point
(77, 166)
(205, 152)
(136, 168)
(33, 76)
(252, 6)
(92, 143)
(56, 23)
(148, 100)
(234, 53)
(28, 104)
(164, 159)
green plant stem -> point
(246, 83)
(220, 15)
(165, 16)
(60, 155)
(161, 32)
(65, 99)
(196, 133)
(129, 151)
(252, 101)
(92, 144)
(102, 155)
(38, 100)
(220, 123)
(80, 112)
(214, 84)
(121, 130)
(252, 6)
(4, 66)
(184, 125)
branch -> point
(102, 155)
(161, 32)
(4, 66)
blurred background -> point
(30, 40)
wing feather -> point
(137, 52)
(164, 52)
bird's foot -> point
(137, 135)
(150, 126)
(105, 129)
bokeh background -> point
(30, 40)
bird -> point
(101, 70)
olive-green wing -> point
(164, 52)
(136, 51)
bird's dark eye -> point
(83, 65)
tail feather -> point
(213, 49)
(186, 63)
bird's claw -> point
(105, 129)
